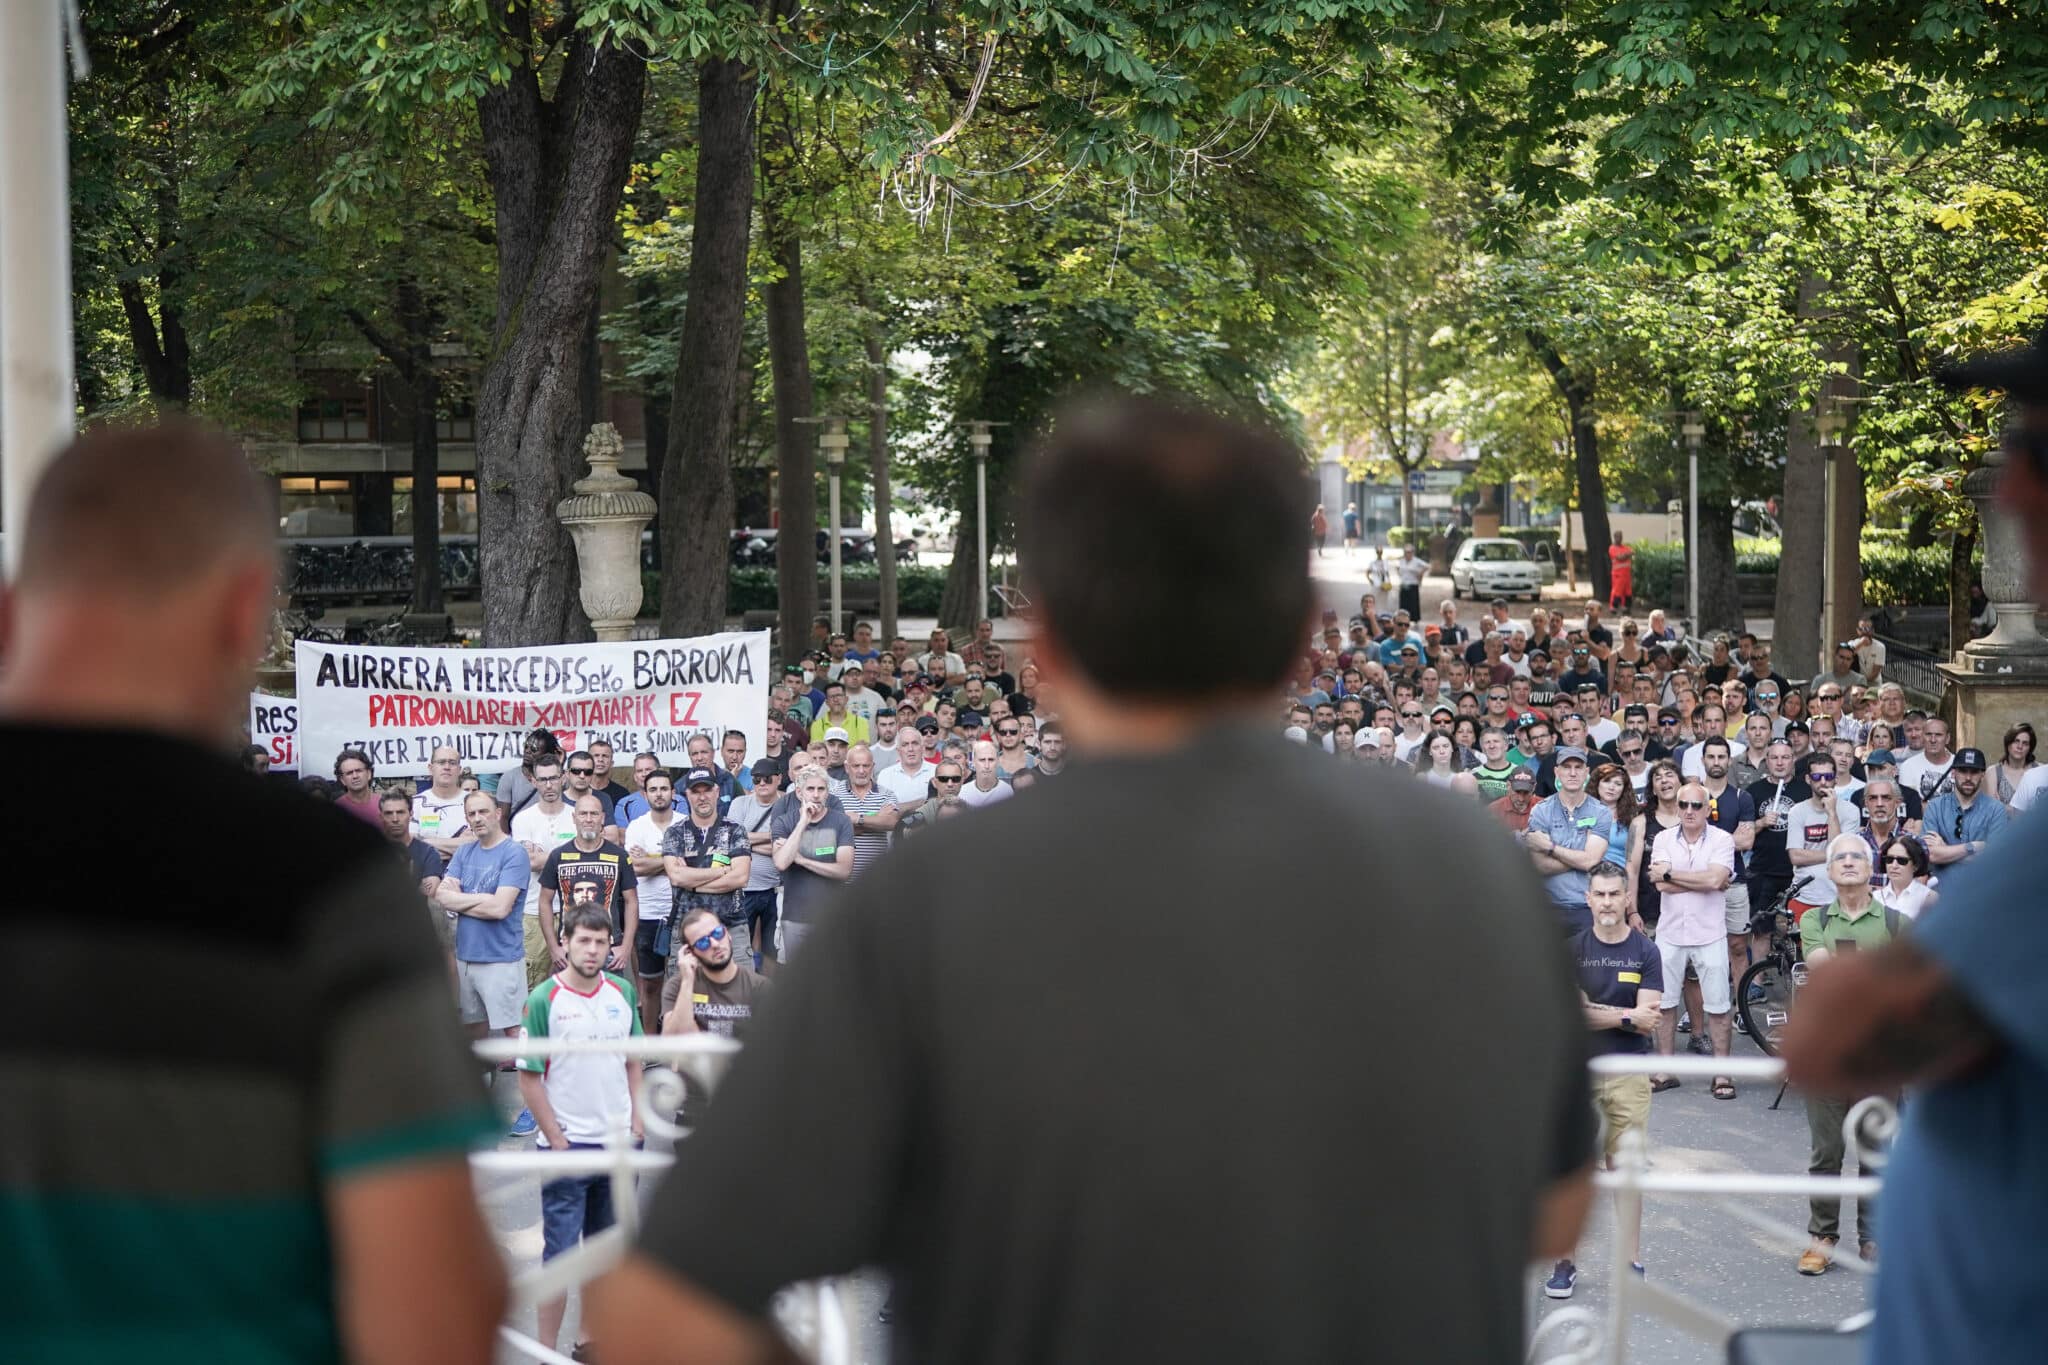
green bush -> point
(1892, 574)
(919, 588)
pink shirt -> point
(1693, 919)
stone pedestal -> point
(2003, 677)
(605, 520)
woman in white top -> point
(2017, 762)
(1903, 865)
(1437, 764)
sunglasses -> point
(1692, 805)
(1496, 696)
(947, 777)
(1013, 730)
(1897, 860)
(1812, 776)
(581, 772)
(703, 945)
(1631, 753)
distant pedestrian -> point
(1350, 527)
(1319, 529)
(1621, 575)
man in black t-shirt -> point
(1621, 976)
(590, 870)
(1054, 1016)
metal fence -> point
(1914, 669)
(813, 1316)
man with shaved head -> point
(323, 1107)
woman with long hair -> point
(1437, 764)
(1793, 705)
(1903, 865)
(1628, 816)
(1878, 736)
(1659, 814)
(2017, 757)
(1465, 734)
(1344, 741)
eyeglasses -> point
(1411, 715)
(1897, 860)
(1013, 730)
(1812, 776)
(1692, 805)
(703, 945)
(547, 777)
(947, 777)
(1496, 696)
(581, 772)
(1631, 753)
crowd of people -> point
(1676, 798)
(704, 879)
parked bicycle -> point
(1768, 990)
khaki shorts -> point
(1735, 904)
(1623, 1103)
(540, 962)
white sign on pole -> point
(274, 724)
(399, 705)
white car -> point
(1495, 568)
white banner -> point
(399, 705)
(274, 724)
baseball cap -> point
(1368, 738)
(700, 777)
(1878, 758)
(1522, 780)
(1668, 713)
(1570, 753)
(1441, 708)
(765, 767)
(837, 732)
(1970, 760)
(1296, 733)
(970, 720)
(927, 725)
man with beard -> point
(644, 838)
(1772, 797)
(1052, 750)
(1729, 808)
(579, 1098)
(599, 864)
(707, 858)
(1621, 978)
(1960, 822)
(713, 989)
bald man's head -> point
(143, 511)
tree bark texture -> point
(1720, 593)
(1803, 521)
(1960, 574)
(789, 375)
(696, 477)
(1576, 389)
(878, 467)
(557, 168)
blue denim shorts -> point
(574, 1207)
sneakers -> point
(1562, 1278)
(1636, 1269)
(1816, 1259)
(1741, 1024)
(525, 1125)
(1685, 1021)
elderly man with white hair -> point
(1853, 922)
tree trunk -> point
(556, 168)
(696, 476)
(1960, 575)
(1577, 391)
(1803, 519)
(878, 467)
(1720, 593)
(789, 375)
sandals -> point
(1724, 1088)
(1660, 1084)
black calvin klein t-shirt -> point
(1161, 1097)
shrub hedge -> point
(1892, 574)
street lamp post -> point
(1828, 426)
(1695, 431)
(833, 442)
(978, 440)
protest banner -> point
(274, 724)
(399, 705)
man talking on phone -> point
(1050, 1110)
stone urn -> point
(605, 519)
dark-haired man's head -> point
(1170, 505)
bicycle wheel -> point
(1765, 996)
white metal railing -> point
(1578, 1336)
(814, 1316)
